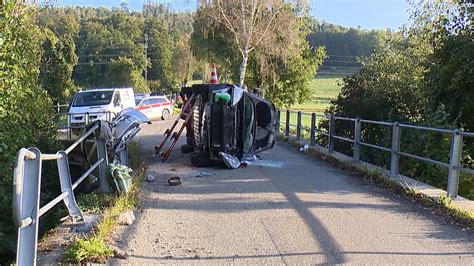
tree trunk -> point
(243, 66)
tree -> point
(251, 23)
(160, 45)
(282, 64)
(122, 72)
(57, 63)
(26, 117)
(183, 60)
(422, 74)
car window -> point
(117, 99)
(138, 100)
(145, 102)
(157, 100)
(90, 98)
(249, 117)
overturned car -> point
(228, 124)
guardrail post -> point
(26, 194)
(123, 155)
(357, 129)
(86, 119)
(394, 160)
(332, 127)
(102, 154)
(313, 130)
(277, 129)
(287, 125)
(69, 129)
(455, 157)
(298, 126)
(66, 186)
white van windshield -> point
(90, 98)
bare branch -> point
(267, 27)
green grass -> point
(323, 90)
(94, 203)
(94, 248)
(305, 119)
(88, 250)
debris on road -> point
(304, 148)
(150, 178)
(230, 160)
(202, 174)
(174, 181)
(120, 254)
(268, 163)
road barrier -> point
(454, 166)
(27, 188)
(27, 177)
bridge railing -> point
(27, 188)
(307, 123)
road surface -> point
(288, 208)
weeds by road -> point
(94, 248)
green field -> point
(323, 90)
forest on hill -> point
(100, 47)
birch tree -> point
(251, 22)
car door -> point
(158, 106)
(258, 124)
(117, 102)
(145, 108)
(265, 125)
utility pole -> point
(146, 58)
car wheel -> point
(201, 160)
(187, 148)
(165, 115)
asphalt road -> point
(288, 208)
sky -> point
(368, 14)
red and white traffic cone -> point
(214, 79)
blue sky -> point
(369, 14)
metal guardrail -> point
(454, 166)
(27, 177)
(27, 186)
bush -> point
(26, 116)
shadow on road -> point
(291, 187)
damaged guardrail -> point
(112, 137)
(454, 166)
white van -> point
(97, 103)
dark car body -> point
(241, 126)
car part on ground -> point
(174, 181)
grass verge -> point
(442, 205)
(94, 248)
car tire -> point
(187, 148)
(201, 160)
(165, 115)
